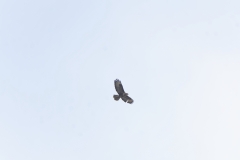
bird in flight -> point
(121, 93)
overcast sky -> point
(178, 60)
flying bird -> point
(121, 93)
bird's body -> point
(121, 93)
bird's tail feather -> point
(116, 97)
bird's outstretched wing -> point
(127, 99)
(119, 87)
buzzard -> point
(121, 93)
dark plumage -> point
(121, 93)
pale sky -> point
(178, 60)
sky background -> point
(178, 60)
